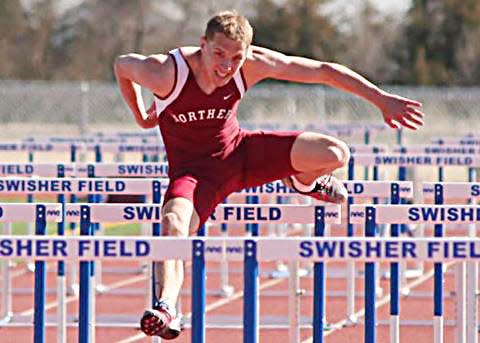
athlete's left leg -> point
(315, 154)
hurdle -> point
(418, 156)
(251, 250)
(393, 190)
(61, 187)
(30, 148)
(240, 213)
(81, 169)
(467, 283)
(357, 189)
(468, 140)
(395, 214)
(113, 212)
(40, 214)
(82, 186)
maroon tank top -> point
(195, 125)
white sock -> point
(301, 186)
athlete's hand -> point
(398, 111)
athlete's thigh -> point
(268, 156)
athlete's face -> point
(223, 57)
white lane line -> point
(385, 300)
(211, 307)
(71, 298)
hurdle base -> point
(285, 274)
(405, 291)
(412, 273)
(226, 291)
(352, 320)
(7, 319)
(73, 290)
(101, 288)
(30, 267)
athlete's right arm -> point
(133, 71)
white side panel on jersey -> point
(182, 75)
(239, 82)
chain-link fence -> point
(73, 108)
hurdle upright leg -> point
(280, 230)
(31, 229)
(293, 303)
(250, 298)
(85, 290)
(40, 282)
(395, 276)
(156, 232)
(198, 292)
(461, 296)
(370, 315)
(472, 282)
(351, 270)
(438, 320)
(226, 289)
(72, 286)
(61, 283)
(319, 282)
(6, 293)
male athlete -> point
(197, 91)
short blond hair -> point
(232, 25)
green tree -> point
(437, 40)
(295, 27)
(90, 36)
(13, 26)
(25, 40)
(369, 36)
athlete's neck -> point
(201, 73)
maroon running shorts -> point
(260, 157)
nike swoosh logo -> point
(227, 96)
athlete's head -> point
(225, 44)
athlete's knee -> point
(174, 225)
(337, 153)
(341, 152)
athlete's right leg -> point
(187, 204)
(179, 218)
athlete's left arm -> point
(264, 63)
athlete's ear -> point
(203, 42)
